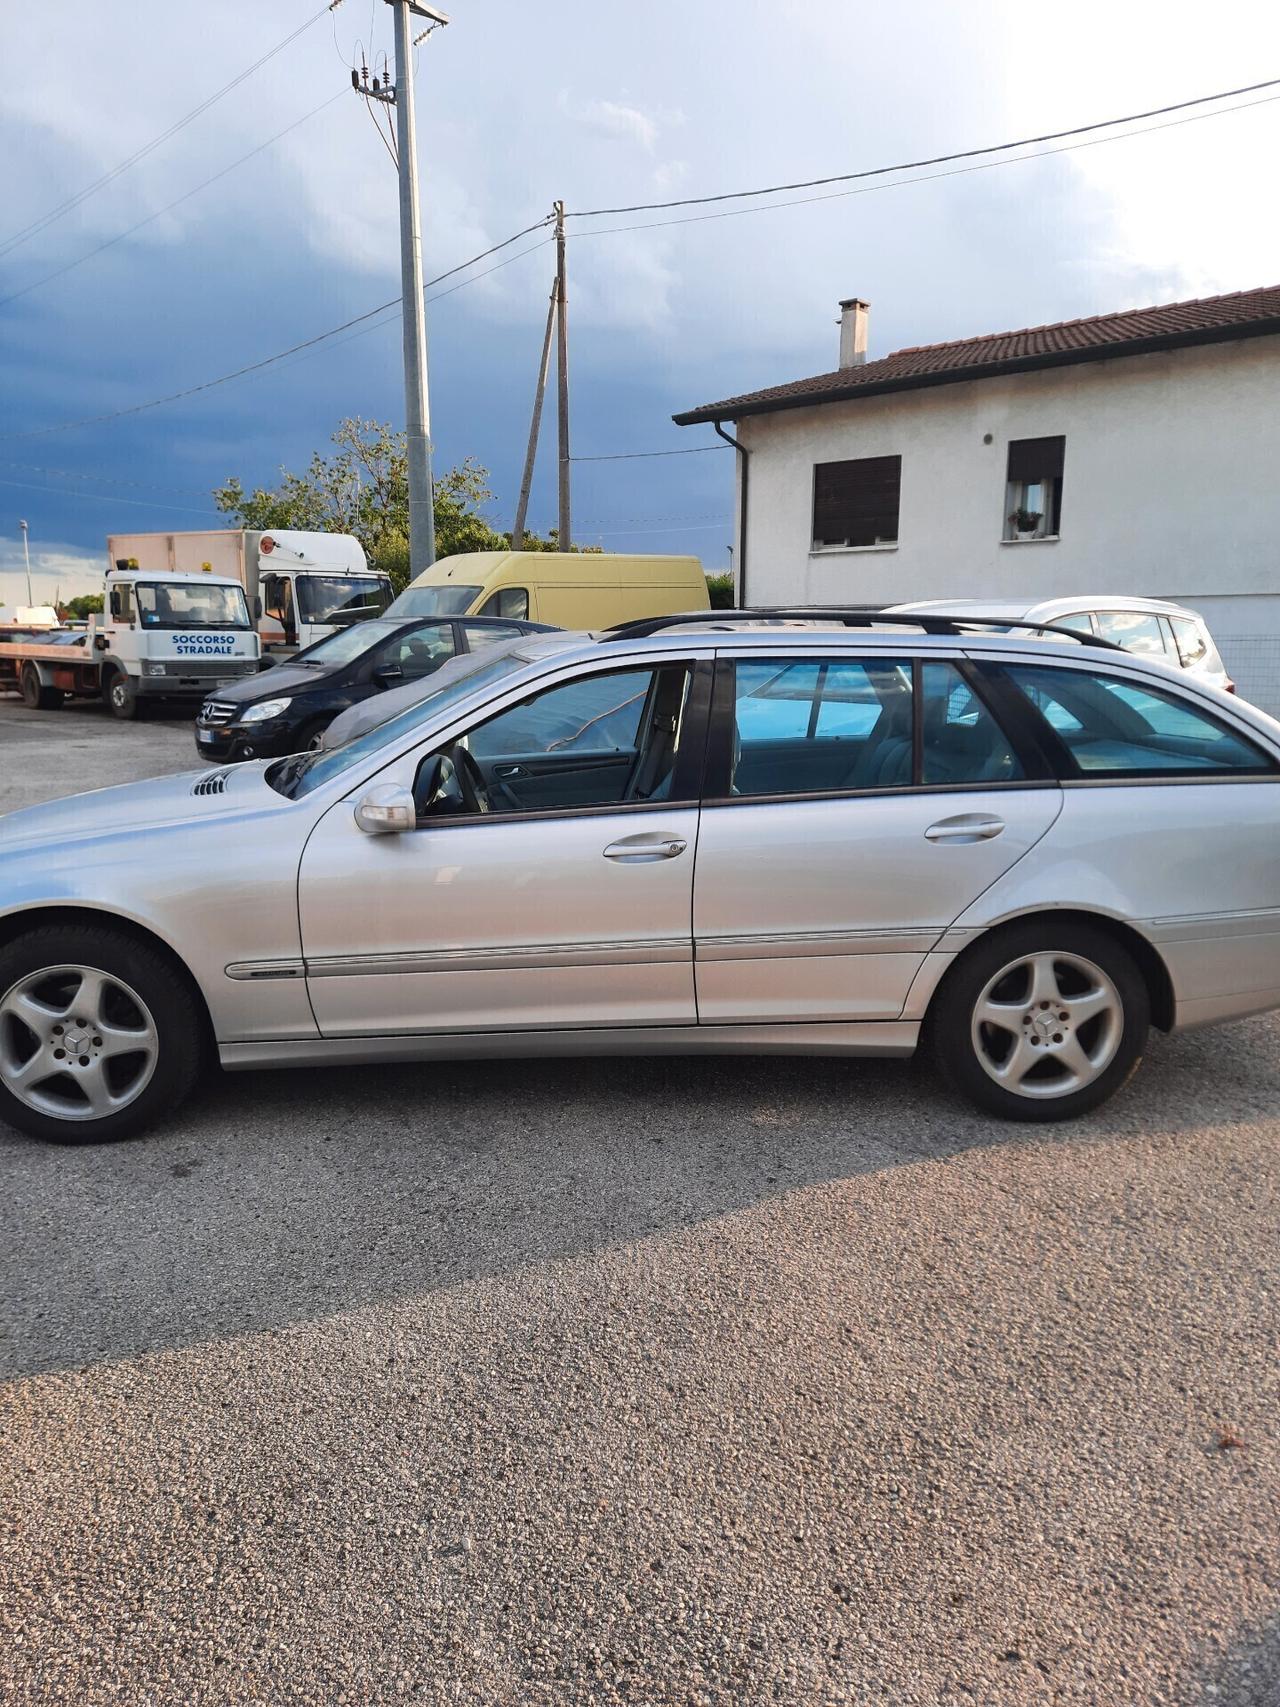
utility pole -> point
(564, 525)
(422, 528)
(27, 558)
(530, 455)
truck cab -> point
(170, 636)
(308, 585)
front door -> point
(548, 883)
(858, 805)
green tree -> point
(83, 605)
(362, 487)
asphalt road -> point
(662, 1383)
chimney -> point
(854, 313)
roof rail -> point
(846, 617)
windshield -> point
(302, 772)
(190, 604)
(434, 601)
(345, 646)
(342, 598)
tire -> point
(1028, 1062)
(35, 695)
(311, 734)
(135, 1057)
(121, 694)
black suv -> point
(288, 708)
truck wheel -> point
(99, 1035)
(121, 695)
(34, 693)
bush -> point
(720, 591)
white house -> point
(1128, 453)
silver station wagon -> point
(832, 833)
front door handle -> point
(966, 827)
(636, 850)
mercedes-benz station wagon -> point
(810, 832)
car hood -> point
(136, 806)
(274, 683)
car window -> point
(1115, 727)
(507, 601)
(601, 740)
(1136, 631)
(1079, 622)
(1196, 651)
(814, 726)
(416, 653)
(960, 739)
(482, 634)
(594, 714)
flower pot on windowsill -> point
(1026, 523)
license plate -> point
(206, 737)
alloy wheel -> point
(1047, 1024)
(76, 1043)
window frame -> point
(1050, 525)
(1000, 700)
(878, 544)
(1066, 767)
(687, 775)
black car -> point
(287, 708)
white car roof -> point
(1045, 610)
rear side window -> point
(1195, 649)
(842, 725)
(960, 739)
(1112, 727)
(479, 635)
(1137, 631)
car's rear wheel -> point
(99, 1035)
(1041, 1021)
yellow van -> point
(569, 589)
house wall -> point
(1171, 489)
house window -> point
(1033, 493)
(856, 503)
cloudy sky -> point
(601, 105)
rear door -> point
(856, 805)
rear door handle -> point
(966, 827)
(637, 850)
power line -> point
(108, 498)
(926, 177)
(640, 455)
(169, 206)
(269, 361)
(55, 213)
(935, 160)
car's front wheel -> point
(1041, 1021)
(99, 1035)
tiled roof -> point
(1210, 319)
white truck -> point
(159, 636)
(300, 585)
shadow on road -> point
(281, 1197)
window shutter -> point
(1037, 459)
(856, 502)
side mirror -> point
(257, 608)
(386, 810)
(101, 643)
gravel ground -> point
(662, 1383)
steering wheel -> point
(475, 791)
